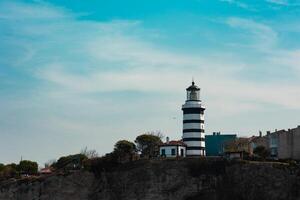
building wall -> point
(296, 143)
(179, 151)
(215, 143)
(273, 144)
(168, 151)
(285, 143)
(238, 145)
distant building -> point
(193, 122)
(285, 144)
(258, 141)
(237, 145)
(46, 170)
(172, 149)
(234, 155)
(214, 144)
(273, 142)
(245, 145)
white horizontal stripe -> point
(191, 126)
(193, 135)
(194, 152)
(195, 143)
(192, 105)
(192, 116)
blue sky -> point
(88, 73)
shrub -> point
(27, 167)
(107, 163)
(70, 162)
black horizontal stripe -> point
(193, 130)
(193, 110)
(193, 139)
(193, 121)
(195, 148)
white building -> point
(193, 122)
(172, 149)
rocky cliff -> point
(186, 179)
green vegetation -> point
(262, 152)
(27, 167)
(145, 146)
(8, 171)
(148, 145)
(70, 162)
(124, 150)
(2, 167)
(106, 163)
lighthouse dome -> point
(193, 87)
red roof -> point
(46, 170)
(174, 143)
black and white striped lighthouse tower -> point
(193, 122)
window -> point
(173, 152)
(193, 95)
(163, 152)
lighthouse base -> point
(190, 153)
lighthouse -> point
(193, 122)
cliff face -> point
(162, 180)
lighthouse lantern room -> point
(193, 122)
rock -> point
(186, 179)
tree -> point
(8, 171)
(70, 162)
(148, 144)
(50, 163)
(89, 153)
(124, 150)
(156, 133)
(2, 166)
(13, 166)
(28, 167)
(262, 152)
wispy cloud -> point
(284, 2)
(239, 4)
(264, 37)
(278, 2)
(23, 11)
(76, 78)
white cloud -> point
(265, 39)
(239, 4)
(284, 2)
(122, 62)
(23, 11)
(278, 2)
(264, 36)
(81, 66)
(287, 59)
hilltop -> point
(184, 179)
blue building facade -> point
(215, 143)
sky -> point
(76, 74)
